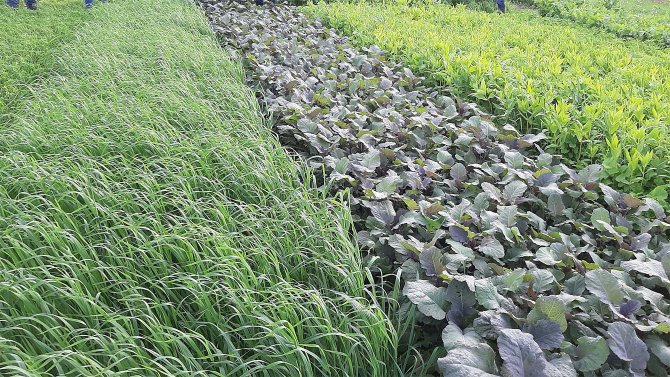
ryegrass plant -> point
(150, 223)
(30, 41)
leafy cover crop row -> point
(524, 266)
(151, 225)
(640, 19)
(602, 100)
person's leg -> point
(12, 3)
(501, 5)
(31, 4)
(88, 3)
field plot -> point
(512, 263)
(601, 100)
(151, 224)
(639, 19)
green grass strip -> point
(29, 44)
(150, 223)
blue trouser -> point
(32, 4)
(89, 3)
(501, 5)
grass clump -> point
(30, 41)
(151, 224)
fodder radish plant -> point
(150, 224)
(512, 263)
(601, 100)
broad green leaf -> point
(522, 357)
(429, 299)
(605, 286)
(548, 256)
(472, 361)
(507, 215)
(371, 160)
(458, 172)
(600, 214)
(560, 367)
(513, 191)
(627, 346)
(547, 334)
(591, 353)
(487, 294)
(543, 280)
(492, 247)
(549, 308)
(649, 267)
(389, 184)
(453, 337)
(555, 204)
(575, 285)
(515, 159)
(659, 348)
(512, 281)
